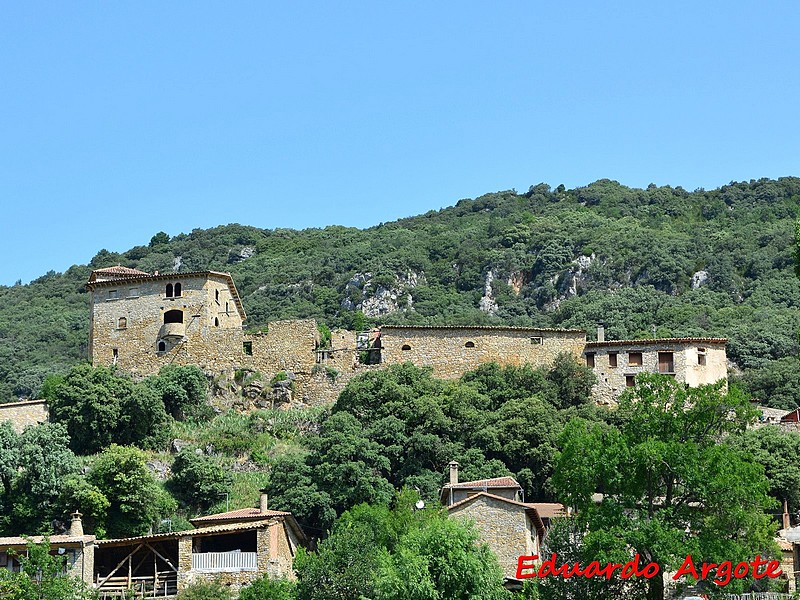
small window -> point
(612, 359)
(247, 348)
(113, 294)
(122, 323)
(216, 296)
(114, 355)
(405, 347)
(635, 359)
(169, 290)
(469, 345)
(666, 362)
(133, 293)
(537, 341)
(162, 346)
(630, 380)
(701, 356)
(216, 321)
(177, 290)
(173, 316)
(590, 360)
(226, 308)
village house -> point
(510, 527)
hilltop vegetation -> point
(710, 263)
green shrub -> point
(204, 591)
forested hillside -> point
(716, 262)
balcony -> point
(230, 562)
(172, 331)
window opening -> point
(169, 290)
(177, 290)
(537, 341)
(216, 296)
(113, 294)
(216, 321)
(247, 348)
(701, 356)
(173, 316)
(405, 347)
(630, 380)
(666, 362)
(133, 293)
(635, 359)
(590, 359)
(469, 345)
(612, 359)
(114, 355)
(162, 346)
(122, 323)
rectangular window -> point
(537, 341)
(666, 362)
(635, 359)
(590, 360)
(247, 348)
(113, 294)
(630, 380)
(114, 356)
(133, 293)
(612, 359)
(701, 356)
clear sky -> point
(122, 119)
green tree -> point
(669, 487)
(183, 390)
(198, 480)
(41, 577)
(136, 500)
(265, 588)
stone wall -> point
(22, 414)
(696, 361)
(504, 527)
(453, 350)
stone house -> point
(510, 527)
(74, 545)
(24, 413)
(234, 548)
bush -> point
(265, 588)
(204, 591)
(198, 480)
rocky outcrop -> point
(699, 279)
(487, 303)
(375, 300)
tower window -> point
(173, 316)
(247, 348)
(216, 296)
(169, 290)
(114, 356)
(469, 345)
(122, 323)
(405, 347)
(216, 321)
(162, 346)
(177, 290)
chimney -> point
(787, 522)
(76, 526)
(601, 331)
(262, 504)
(453, 472)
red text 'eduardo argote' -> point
(721, 574)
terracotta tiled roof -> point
(242, 513)
(223, 528)
(496, 482)
(657, 341)
(6, 542)
(119, 271)
(548, 510)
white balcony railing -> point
(224, 561)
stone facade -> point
(451, 351)
(509, 528)
(142, 322)
(23, 414)
(694, 361)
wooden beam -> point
(122, 562)
(162, 557)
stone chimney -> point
(453, 472)
(601, 331)
(787, 522)
(262, 504)
(76, 526)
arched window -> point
(169, 290)
(122, 323)
(216, 321)
(405, 347)
(469, 345)
(177, 290)
(162, 346)
(173, 316)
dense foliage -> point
(708, 262)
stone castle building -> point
(142, 322)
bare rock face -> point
(160, 470)
(375, 300)
(699, 279)
(487, 303)
(239, 254)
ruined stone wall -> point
(22, 414)
(453, 350)
(505, 528)
(687, 356)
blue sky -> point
(119, 120)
